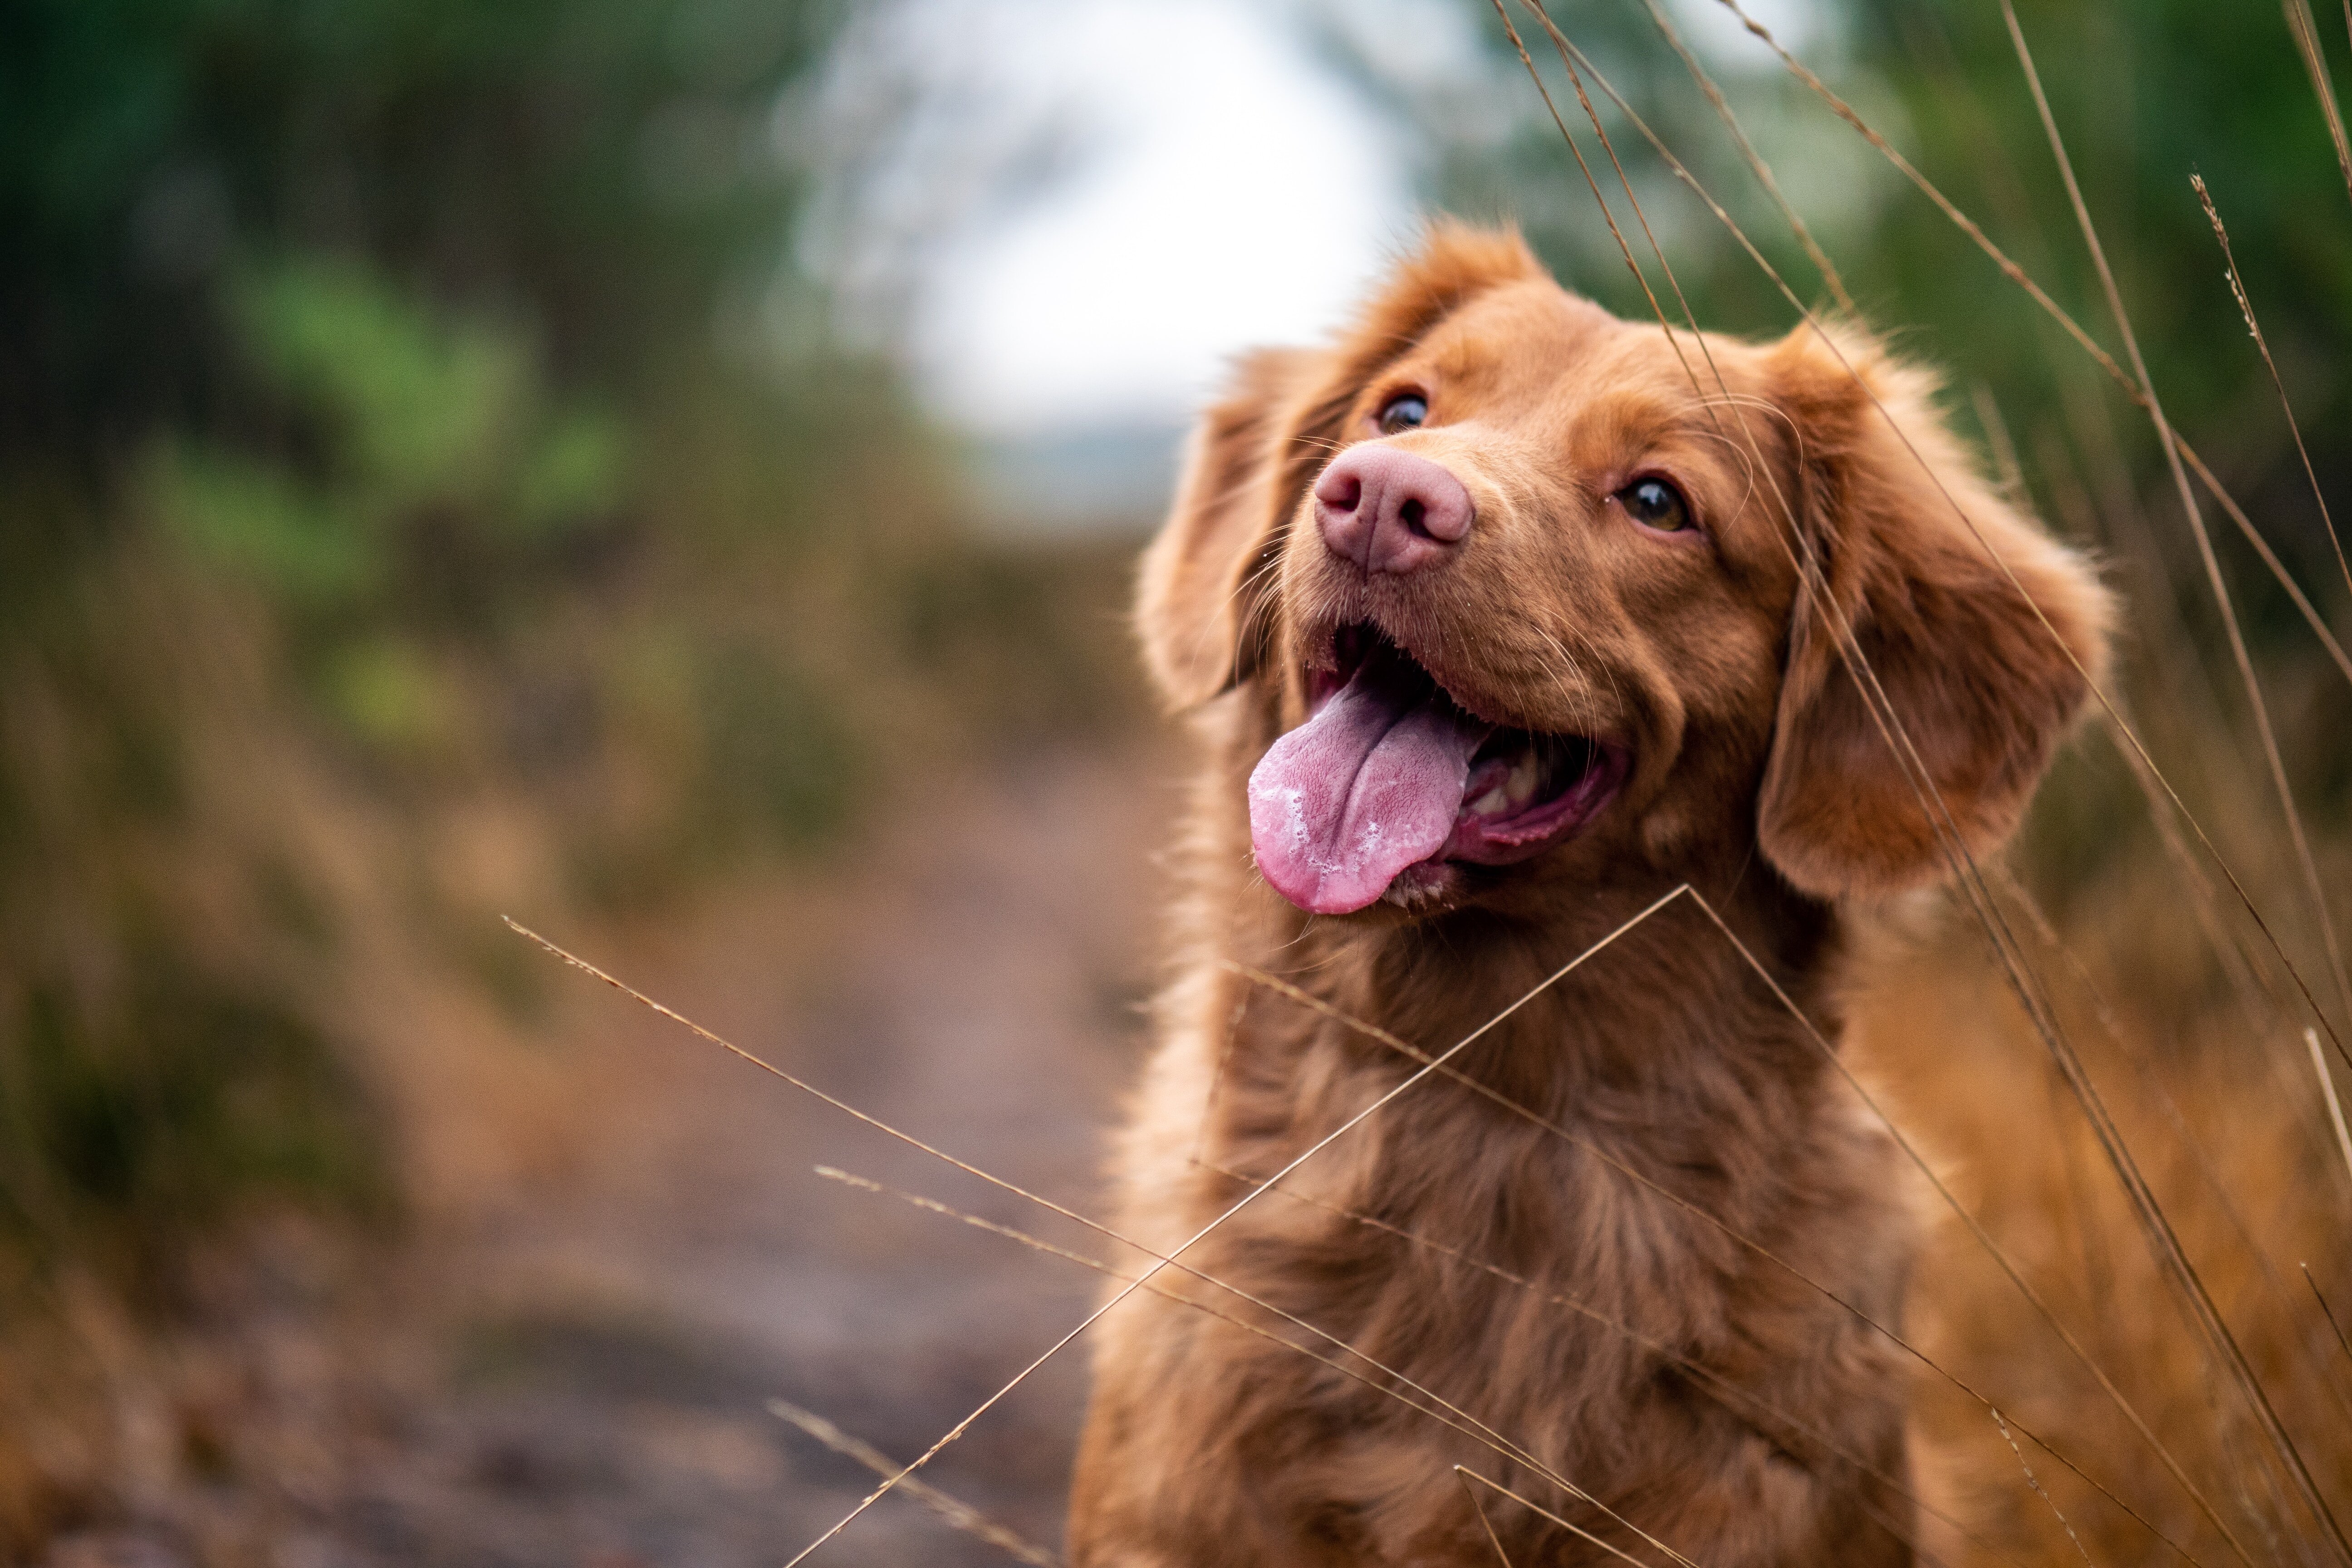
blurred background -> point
(668, 470)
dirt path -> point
(606, 1335)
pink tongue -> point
(1369, 786)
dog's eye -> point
(1653, 503)
(1406, 413)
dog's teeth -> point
(1493, 801)
(1520, 787)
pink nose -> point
(1389, 510)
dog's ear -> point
(1203, 577)
(1207, 578)
(1976, 629)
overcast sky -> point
(1242, 195)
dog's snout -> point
(1390, 510)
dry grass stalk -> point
(2254, 327)
(2328, 1089)
(2305, 30)
(1485, 1523)
(2029, 1481)
(2196, 518)
(1756, 163)
(961, 1427)
(2160, 1093)
(1442, 1413)
(1593, 185)
(955, 1513)
(2328, 1311)
(1997, 438)
(2251, 1385)
(1585, 1535)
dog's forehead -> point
(1535, 343)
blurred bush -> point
(410, 419)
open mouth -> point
(1390, 775)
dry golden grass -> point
(2230, 1132)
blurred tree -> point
(398, 374)
(411, 409)
(2144, 98)
(599, 168)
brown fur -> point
(1760, 778)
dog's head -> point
(1520, 590)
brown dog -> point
(1500, 619)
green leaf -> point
(231, 510)
(422, 409)
(571, 475)
(391, 696)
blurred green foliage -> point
(422, 495)
(391, 420)
(192, 1099)
(2143, 97)
(599, 166)
(409, 417)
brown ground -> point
(623, 1253)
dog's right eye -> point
(1653, 503)
(1408, 412)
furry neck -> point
(1645, 1001)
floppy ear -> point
(1977, 690)
(1206, 580)
(1202, 578)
